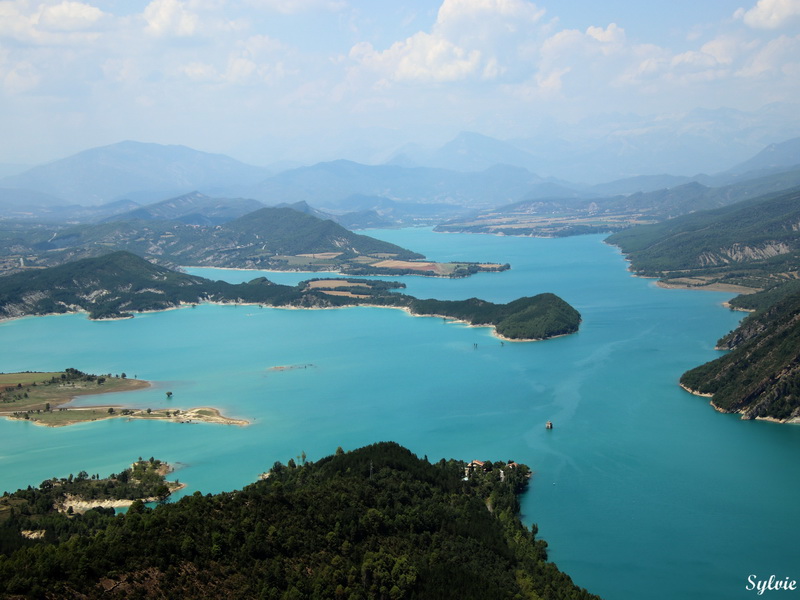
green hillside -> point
(377, 522)
(760, 377)
(538, 317)
(271, 238)
(120, 283)
(754, 243)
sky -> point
(268, 80)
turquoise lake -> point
(641, 489)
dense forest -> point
(120, 283)
(760, 377)
(377, 522)
(533, 318)
(44, 513)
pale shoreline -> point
(710, 287)
(183, 305)
(188, 416)
(80, 506)
(202, 414)
(792, 421)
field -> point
(38, 398)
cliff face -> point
(760, 376)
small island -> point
(39, 398)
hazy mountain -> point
(561, 216)
(324, 183)
(195, 209)
(642, 183)
(467, 152)
(263, 239)
(305, 207)
(610, 147)
(773, 157)
(8, 169)
(135, 170)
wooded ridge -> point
(119, 284)
(376, 522)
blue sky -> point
(265, 80)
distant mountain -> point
(26, 202)
(563, 216)
(326, 183)
(468, 151)
(775, 157)
(269, 238)
(25, 205)
(642, 183)
(137, 170)
(616, 146)
(305, 207)
(194, 209)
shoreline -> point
(710, 287)
(80, 505)
(183, 305)
(190, 416)
(53, 410)
(742, 414)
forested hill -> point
(120, 283)
(755, 243)
(377, 522)
(269, 238)
(286, 231)
(760, 377)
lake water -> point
(641, 489)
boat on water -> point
(548, 425)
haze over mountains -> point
(470, 172)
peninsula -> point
(271, 238)
(32, 511)
(118, 284)
(376, 522)
(39, 398)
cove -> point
(642, 490)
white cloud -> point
(780, 56)
(611, 34)
(71, 23)
(170, 17)
(69, 16)
(770, 14)
(422, 57)
(471, 39)
(289, 7)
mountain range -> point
(471, 171)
